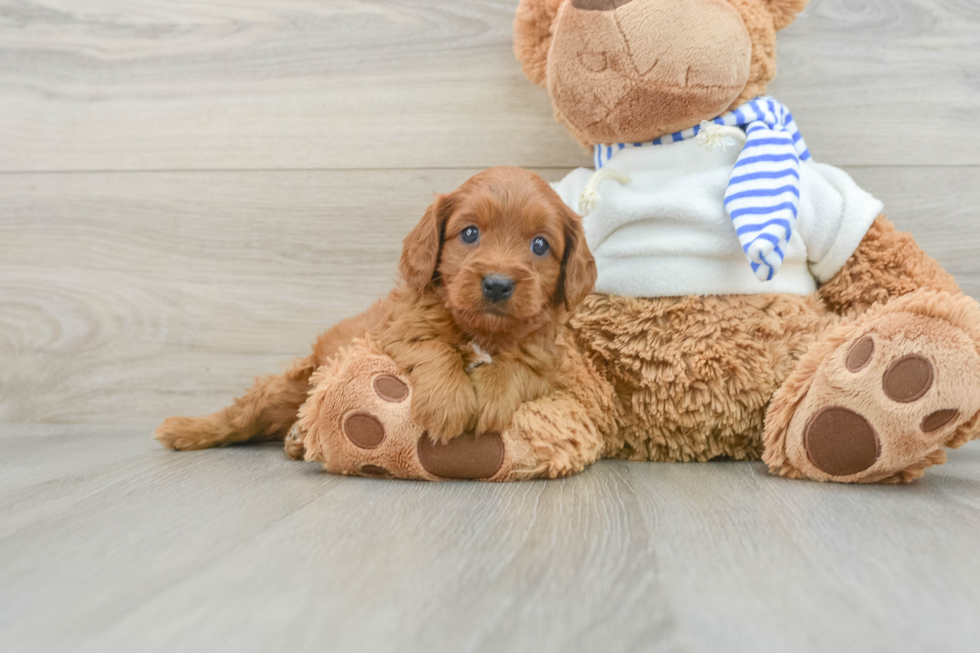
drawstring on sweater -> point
(589, 199)
(711, 136)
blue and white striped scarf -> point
(763, 194)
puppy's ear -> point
(784, 12)
(578, 271)
(532, 36)
(420, 251)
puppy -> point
(489, 275)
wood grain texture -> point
(300, 84)
(126, 297)
(109, 543)
(190, 191)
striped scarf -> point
(763, 194)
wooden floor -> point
(190, 191)
(108, 543)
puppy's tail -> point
(266, 412)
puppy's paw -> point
(294, 445)
(496, 413)
(444, 411)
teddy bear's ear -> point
(784, 12)
(532, 36)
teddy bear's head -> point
(623, 71)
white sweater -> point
(667, 233)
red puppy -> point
(489, 273)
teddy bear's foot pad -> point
(881, 405)
(841, 442)
(468, 456)
(358, 421)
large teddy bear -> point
(750, 302)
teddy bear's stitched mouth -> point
(599, 5)
(628, 97)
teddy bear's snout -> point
(630, 70)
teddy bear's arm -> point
(358, 420)
(887, 264)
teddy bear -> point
(751, 303)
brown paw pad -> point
(840, 442)
(937, 420)
(364, 430)
(468, 456)
(860, 354)
(908, 379)
(390, 388)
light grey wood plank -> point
(152, 84)
(240, 549)
(115, 286)
(131, 297)
(298, 84)
(884, 82)
(938, 206)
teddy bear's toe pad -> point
(937, 420)
(468, 456)
(840, 442)
(390, 388)
(364, 430)
(907, 379)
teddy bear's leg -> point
(357, 421)
(877, 398)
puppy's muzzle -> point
(497, 288)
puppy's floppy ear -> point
(532, 36)
(784, 12)
(578, 271)
(420, 252)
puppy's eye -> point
(469, 235)
(540, 246)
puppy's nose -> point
(497, 288)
